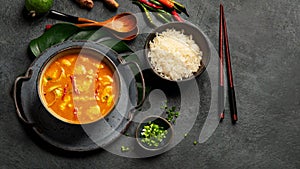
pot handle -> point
(18, 105)
(123, 62)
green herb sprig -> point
(171, 112)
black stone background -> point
(264, 39)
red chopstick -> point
(232, 99)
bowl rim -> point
(170, 25)
(53, 57)
(155, 117)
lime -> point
(38, 7)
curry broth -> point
(79, 89)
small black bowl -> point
(188, 29)
(162, 123)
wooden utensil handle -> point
(68, 18)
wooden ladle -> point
(120, 23)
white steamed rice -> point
(174, 55)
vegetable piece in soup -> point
(79, 89)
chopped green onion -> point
(124, 149)
(153, 134)
(171, 112)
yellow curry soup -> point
(79, 89)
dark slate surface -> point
(265, 57)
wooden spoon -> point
(124, 22)
(128, 35)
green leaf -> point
(117, 45)
(89, 34)
(64, 31)
(56, 34)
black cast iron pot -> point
(66, 135)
